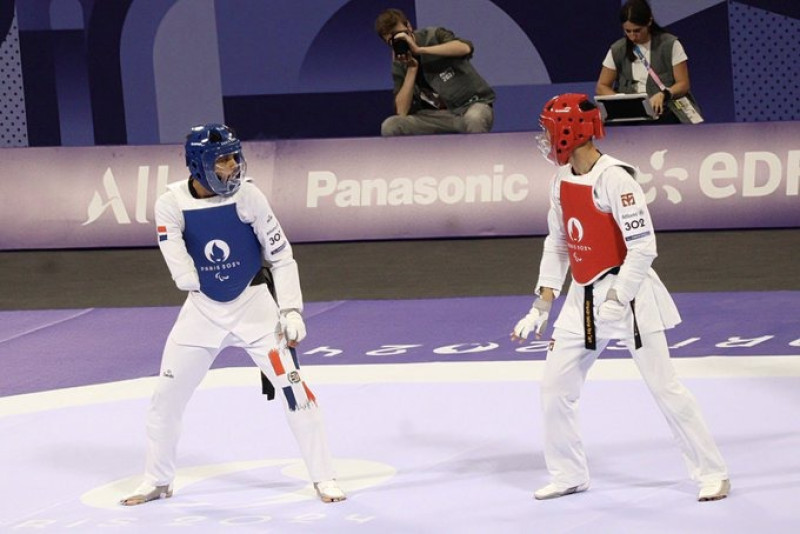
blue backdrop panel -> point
(347, 54)
(41, 101)
(103, 46)
(308, 115)
(709, 64)
(765, 84)
(138, 71)
(572, 42)
(789, 8)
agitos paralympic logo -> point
(217, 253)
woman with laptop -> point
(649, 60)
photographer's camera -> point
(400, 46)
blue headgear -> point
(204, 145)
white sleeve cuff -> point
(188, 281)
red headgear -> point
(570, 120)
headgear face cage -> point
(569, 120)
(204, 146)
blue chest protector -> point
(226, 252)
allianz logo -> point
(109, 196)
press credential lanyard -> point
(650, 71)
(682, 103)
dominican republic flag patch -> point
(162, 233)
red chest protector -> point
(594, 240)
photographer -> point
(436, 88)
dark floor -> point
(749, 260)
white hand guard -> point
(611, 311)
(535, 321)
(293, 327)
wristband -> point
(667, 95)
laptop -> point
(625, 107)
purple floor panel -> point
(42, 350)
(440, 451)
(413, 457)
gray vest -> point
(660, 60)
(454, 79)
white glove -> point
(293, 327)
(535, 321)
(611, 311)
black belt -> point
(589, 332)
(259, 278)
(266, 386)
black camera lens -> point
(400, 47)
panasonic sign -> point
(325, 188)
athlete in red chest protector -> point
(599, 229)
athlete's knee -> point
(164, 399)
(559, 396)
(165, 410)
(559, 387)
(671, 391)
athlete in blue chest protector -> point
(215, 233)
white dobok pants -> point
(184, 366)
(564, 375)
